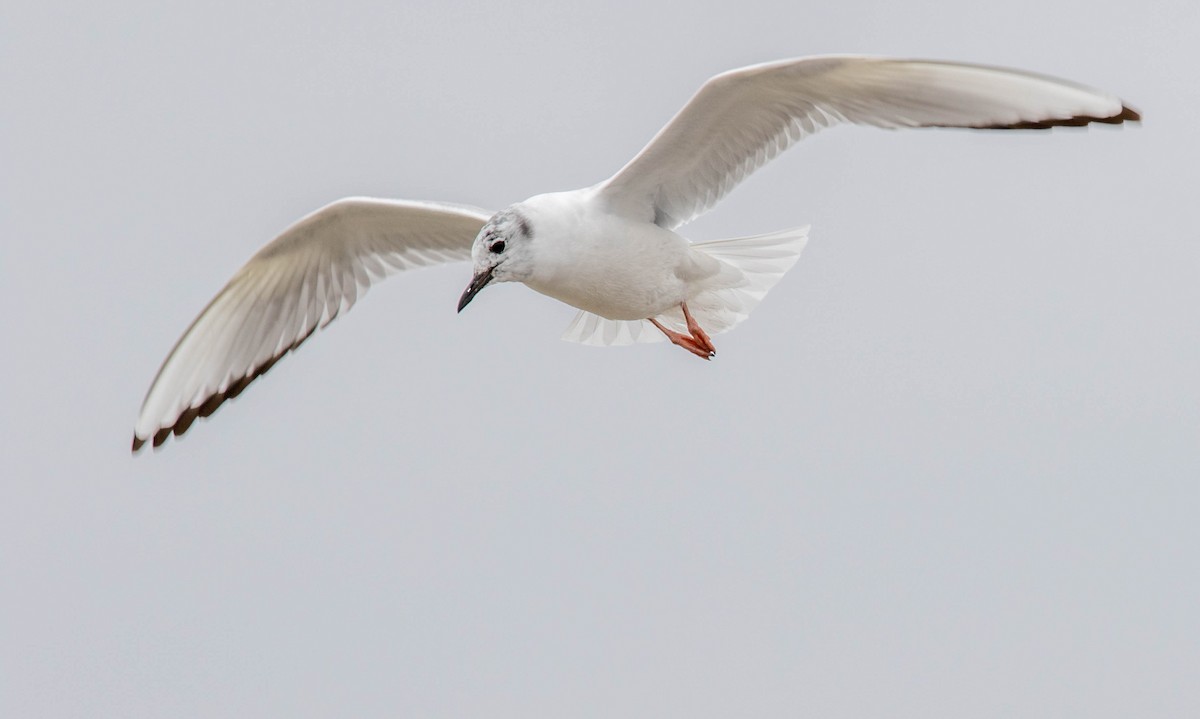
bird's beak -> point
(478, 282)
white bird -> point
(610, 250)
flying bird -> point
(610, 250)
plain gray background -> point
(949, 467)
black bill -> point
(478, 282)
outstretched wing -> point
(742, 118)
(300, 281)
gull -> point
(610, 250)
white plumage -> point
(610, 250)
(302, 280)
(742, 118)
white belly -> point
(618, 269)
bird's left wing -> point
(298, 282)
(741, 119)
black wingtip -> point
(185, 419)
(1127, 114)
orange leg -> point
(696, 341)
(698, 334)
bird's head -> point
(500, 253)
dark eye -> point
(498, 247)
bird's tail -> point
(760, 262)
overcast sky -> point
(949, 468)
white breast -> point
(606, 264)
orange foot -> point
(696, 341)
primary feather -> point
(741, 119)
(302, 280)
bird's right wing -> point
(298, 282)
(741, 119)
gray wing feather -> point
(300, 281)
(741, 119)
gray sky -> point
(948, 468)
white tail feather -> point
(760, 260)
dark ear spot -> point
(498, 247)
(523, 225)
